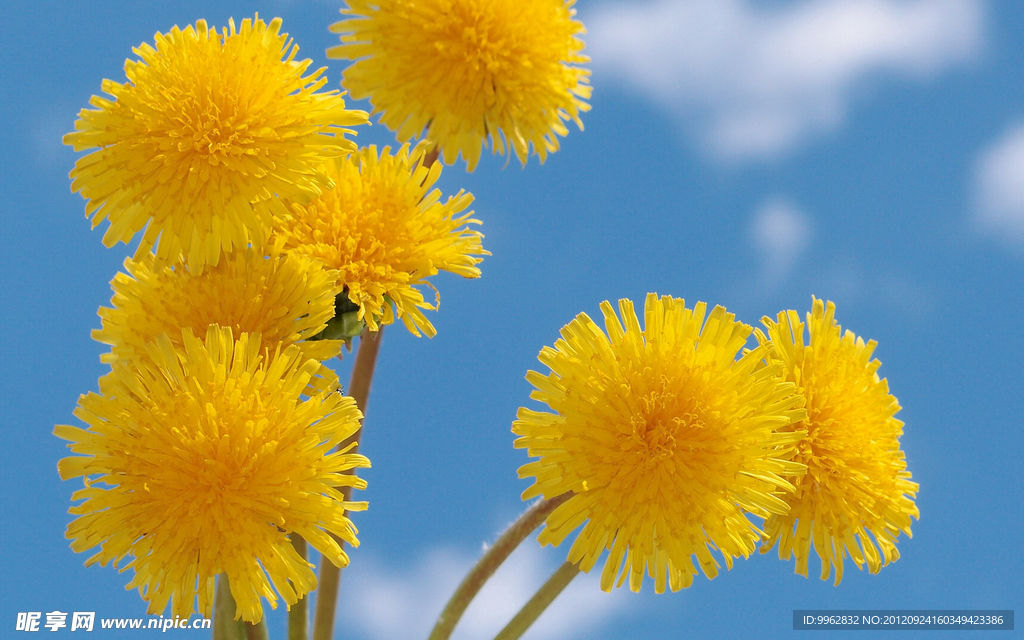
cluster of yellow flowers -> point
(666, 441)
(220, 437)
(214, 438)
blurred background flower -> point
(466, 74)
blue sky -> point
(750, 153)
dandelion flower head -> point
(664, 439)
(287, 299)
(468, 73)
(208, 124)
(857, 486)
(385, 232)
(204, 460)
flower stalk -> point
(359, 390)
(298, 613)
(257, 631)
(557, 583)
(489, 563)
(431, 157)
(225, 627)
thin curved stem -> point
(359, 389)
(489, 562)
(557, 583)
(298, 614)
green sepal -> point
(345, 325)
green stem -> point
(489, 562)
(225, 627)
(359, 389)
(298, 614)
(558, 581)
(257, 631)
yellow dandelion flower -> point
(664, 439)
(287, 299)
(857, 480)
(202, 461)
(207, 125)
(501, 73)
(385, 232)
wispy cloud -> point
(780, 232)
(403, 605)
(45, 133)
(755, 82)
(1000, 187)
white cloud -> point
(404, 605)
(781, 233)
(755, 83)
(1000, 183)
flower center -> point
(472, 37)
(211, 127)
(674, 420)
(659, 428)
